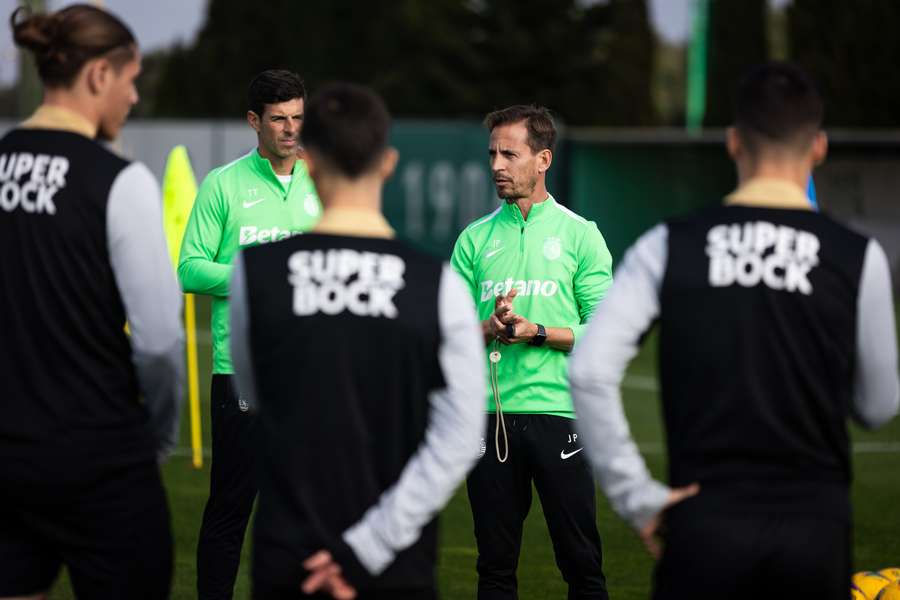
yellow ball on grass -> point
(892, 573)
(870, 583)
(889, 592)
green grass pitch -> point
(876, 496)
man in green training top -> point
(262, 197)
(536, 270)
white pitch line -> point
(183, 451)
(857, 448)
(655, 448)
(876, 447)
(641, 383)
(204, 337)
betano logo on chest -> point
(530, 287)
(250, 234)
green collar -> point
(264, 168)
(538, 210)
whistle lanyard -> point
(494, 358)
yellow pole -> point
(179, 190)
(190, 328)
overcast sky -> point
(155, 23)
(159, 23)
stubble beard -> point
(276, 150)
(520, 191)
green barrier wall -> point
(626, 181)
(442, 183)
(628, 188)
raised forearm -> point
(202, 276)
(560, 338)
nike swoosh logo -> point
(493, 252)
(248, 204)
(564, 456)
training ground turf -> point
(876, 498)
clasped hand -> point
(326, 578)
(508, 327)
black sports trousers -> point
(750, 556)
(111, 530)
(232, 489)
(543, 449)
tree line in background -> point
(594, 63)
(849, 48)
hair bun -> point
(37, 32)
(63, 41)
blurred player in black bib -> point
(363, 356)
(776, 325)
(87, 410)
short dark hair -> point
(63, 41)
(348, 125)
(274, 86)
(777, 103)
(538, 122)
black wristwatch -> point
(540, 337)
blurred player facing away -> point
(87, 410)
(364, 358)
(776, 324)
(536, 271)
(262, 197)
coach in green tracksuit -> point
(262, 197)
(536, 270)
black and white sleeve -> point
(876, 386)
(596, 370)
(455, 425)
(144, 275)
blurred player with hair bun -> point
(87, 410)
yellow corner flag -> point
(179, 190)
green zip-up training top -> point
(561, 267)
(239, 204)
